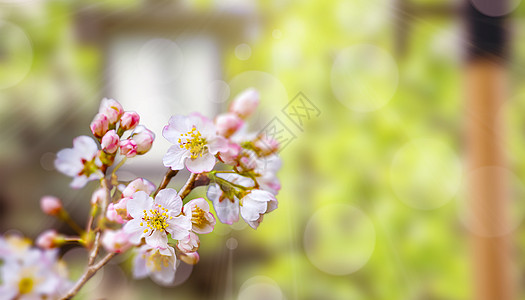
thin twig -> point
(94, 252)
(188, 186)
(166, 180)
(90, 272)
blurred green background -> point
(370, 206)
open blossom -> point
(80, 162)
(14, 247)
(154, 219)
(116, 241)
(245, 103)
(202, 219)
(51, 205)
(110, 142)
(129, 120)
(196, 143)
(118, 212)
(144, 139)
(157, 262)
(37, 276)
(227, 209)
(99, 126)
(111, 109)
(255, 204)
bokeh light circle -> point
(260, 288)
(155, 56)
(243, 51)
(495, 8)
(232, 243)
(484, 222)
(16, 54)
(426, 174)
(218, 91)
(47, 161)
(339, 239)
(364, 77)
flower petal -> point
(169, 199)
(201, 164)
(175, 157)
(85, 146)
(177, 125)
(158, 239)
(68, 162)
(140, 202)
(134, 230)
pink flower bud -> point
(117, 212)
(99, 196)
(129, 120)
(110, 141)
(49, 239)
(100, 125)
(51, 205)
(231, 155)
(227, 124)
(144, 139)
(128, 148)
(248, 162)
(266, 145)
(139, 184)
(189, 244)
(245, 103)
(112, 109)
(115, 241)
(189, 258)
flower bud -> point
(99, 196)
(227, 124)
(128, 148)
(144, 139)
(51, 205)
(112, 109)
(189, 244)
(117, 212)
(110, 141)
(191, 258)
(266, 145)
(49, 239)
(115, 241)
(129, 120)
(139, 184)
(245, 103)
(231, 155)
(100, 125)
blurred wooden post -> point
(485, 91)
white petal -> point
(79, 182)
(157, 239)
(85, 146)
(169, 199)
(177, 125)
(140, 202)
(227, 211)
(256, 223)
(217, 144)
(175, 157)
(68, 162)
(179, 227)
(139, 266)
(201, 164)
(134, 230)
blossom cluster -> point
(160, 224)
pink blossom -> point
(144, 139)
(51, 205)
(117, 212)
(48, 239)
(266, 145)
(100, 125)
(128, 148)
(116, 241)
(255, 204)
(196, 143)
(110, 142)
(189, 244)
(139, 184)
(99, 196)
(112, 109)
(231, 154)
(129, 120)
(245, 103)
(227, 124)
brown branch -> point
(166, 180)
(90, 272)
(188, 186)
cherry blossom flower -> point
(111, 109)
(157, 262)
(116, 241)
(14, 246)
(154, 219)
(117, 212)
(139, 184)
(255, 204)
(227, 124)
(51, 205)
(80, 162)
(37, 276)
(189, 244)
(144, 139)
(129, 120)
(196, 143)
(245, 103)
(128, 148)
(99, 126)
(48, 239)
(227, 209)
(202, 219)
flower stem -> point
(64, 216)
(188, 186)
(90, 272)
(166, 180)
